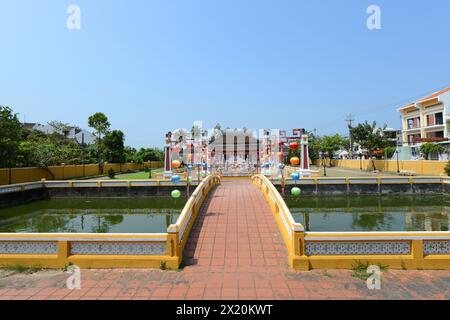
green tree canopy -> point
(330, 144)
(369, 136)
(149, 154)
(10, 133)
(428, 148)
(99, 122)
(44, 150)
(113, 146)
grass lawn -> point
(136, 175)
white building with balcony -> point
(426, 120)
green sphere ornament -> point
(296, 191)
(176, 194)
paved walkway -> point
(218, 266)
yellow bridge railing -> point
(334, 250)
(292, 232)
(178, 233)
(88, 250)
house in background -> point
(72, 132)
(426, 120)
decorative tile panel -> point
(357, 248)
(115, 248)
(28, 247)
(436, 247)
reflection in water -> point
(140, 215)
(372, 213)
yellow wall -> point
(20, 175)
(425, 167)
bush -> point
(389, 152)
(447, 168)
(428, 148)
(111, 173)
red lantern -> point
(176, 164)
(295, 161)
(293, 145)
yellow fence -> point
(421, 167)
(86, 250)
(344, 250)
(20, 175)
(179, 232)
(291, 231)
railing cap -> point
(173, 228)
(298, 227)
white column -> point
(168, 161)
(304, 163)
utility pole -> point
(349, 121)
(82, 154)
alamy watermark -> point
(74, 17)
(374, 280)
(374, 19)
(74, 281)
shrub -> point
(111, 173)
(447, 168)
(428, 148)
(389, 152)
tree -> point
(429, 148)
(328, 145)
(43, 150)
(99, 122)
(149, 154)
(369, 137)
(113, 146)
(313, 146)
(130, 154)
(10, 133)
(389, 152)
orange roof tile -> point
(431, 96)
(434, 95)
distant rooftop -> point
(428, 97)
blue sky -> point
(156, 65)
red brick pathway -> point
(234, 252)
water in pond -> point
(372, 213)
(112, 215)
